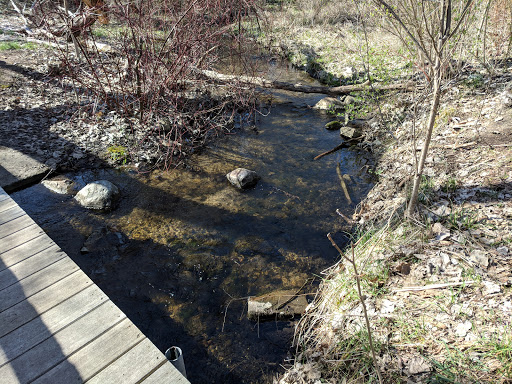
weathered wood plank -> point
(7, 204)
(56, 349)
(30, 265)
(42, 301)
(15, 225)
(33, 240)
(144, 355)
(34, 332)
(56, 326)
(11, 214)
(95, 356)
(166, 374)
(40, 280)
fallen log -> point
(274, 84)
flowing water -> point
(184, 249)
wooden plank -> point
(15, 225)
(144, 356)
(31, 265)
(40, 280)
(166, 374)
(33, 242)
(56, 349)
(7, 204)
(42, 301)
(95, 356)
(36, 331)
(11, 214)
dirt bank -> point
(437, 288)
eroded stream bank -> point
(184, 248)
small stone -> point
(462, 329)
(387, 306)
(440, 232)
(418, 365)
(243, 178)
(490, 288)
(348, 72)
(480, 258)
(349, 100)
(503, 250)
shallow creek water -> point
(184, 248)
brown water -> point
(183, 249)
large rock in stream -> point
(99, 195)
(243, 178)
(329, 103)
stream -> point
(184, 249)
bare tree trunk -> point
(436, 96)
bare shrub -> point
(149, 70)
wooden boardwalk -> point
(56, 325)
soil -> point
(460, 240)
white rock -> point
(418, 365)
(99, 195)
(490, 288)
(480, 257)
(503, 250)
(462, 329)
(329, 103)
(387, 306)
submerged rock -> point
(60, 185)
(99, 195)
(278, 304)
(243, 178)
(329, 103)
(333, 125)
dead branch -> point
(434, 286)
(336, 148)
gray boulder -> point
(99, 195)
(350, 133)
(329, 103)
(243, 178)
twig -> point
(434, 286)
(456, 146)
(336, 148)
(343, 184)
(347, 219)
(362, 298)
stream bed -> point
(184, 249)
